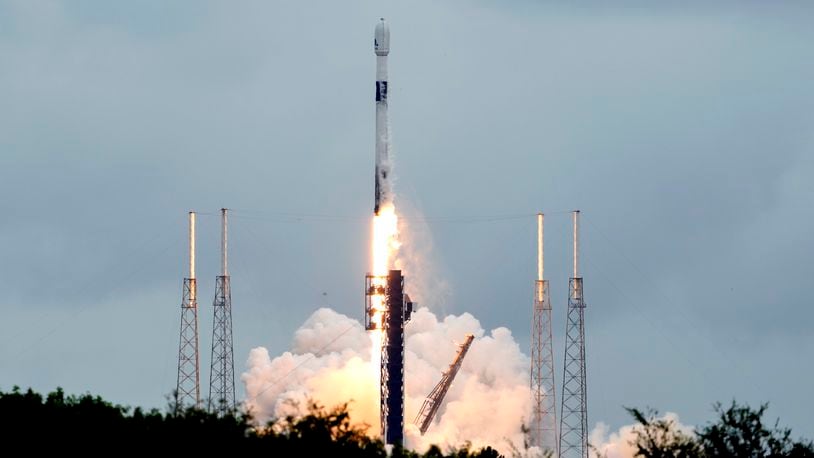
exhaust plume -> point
(486, 405)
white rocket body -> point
(381, 45)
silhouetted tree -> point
(741, 433)
(660, 437)
(320, 432)
(738, 432)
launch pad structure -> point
(436, 397)
(398, 308)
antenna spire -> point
(540, 268)
(192, 245)
(223, 247)
(576, 243)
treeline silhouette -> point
(89, 423)
(739, 431)
(32, 423)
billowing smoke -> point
(619, 444)
(330, 362)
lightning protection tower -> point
(188, 388)
(543, 431)
(222, 371)
(574, 414)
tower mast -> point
(574, 414)
(222, 371)
(543, 431)
(188, 385)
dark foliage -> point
(660, 438)
(741, 433)
(738, 432)
(86, 423)
(89, 422)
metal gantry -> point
(397, 308)
(574, 412)
(396, 315)
(188, 385)
(222, 370)
(543, 428)
(436, 397)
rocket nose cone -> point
(381, 40)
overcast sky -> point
(684, 134)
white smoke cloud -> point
(330, 362)
(619, 444)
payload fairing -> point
(381, 45)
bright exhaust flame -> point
(385, 247)
(385, 239)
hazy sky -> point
(684, 134)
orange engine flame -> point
(385, 246)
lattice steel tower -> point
(188, 387)
(433, 402)
(543, 429)
(222, 371)
(574, 414)
(389, 291)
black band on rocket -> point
(381, 91)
